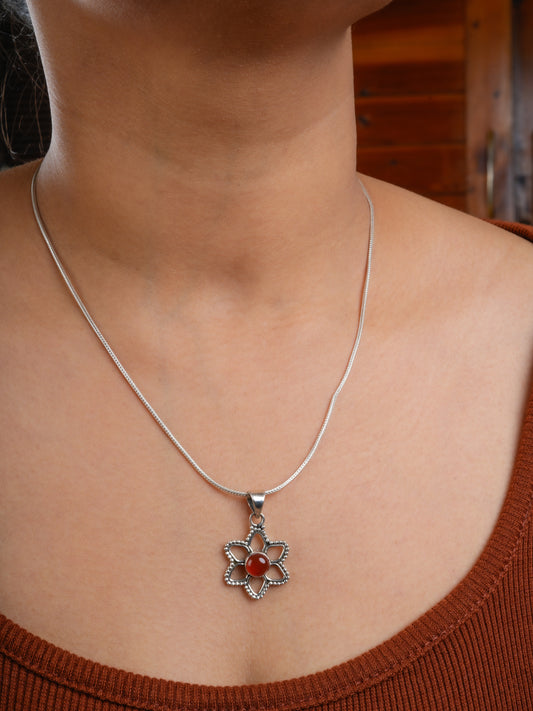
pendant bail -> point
(255, 502)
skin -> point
(201, 189)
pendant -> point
(257, 562)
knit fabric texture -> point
(472, 650)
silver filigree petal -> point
(284, 574)
(232, 567)
(257, 595)
(277, 544)
(260, 533)
(242, 551)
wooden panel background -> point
(410, 87)
(489, 113)
(523, 109)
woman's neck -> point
(187, 153)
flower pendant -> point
(257, 562)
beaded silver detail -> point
(238, 553)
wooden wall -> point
(444, 93)
(410, 86)
(523, 109)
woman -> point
(200, 189)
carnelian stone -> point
(257, 564)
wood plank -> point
(414, 120)
(458, 202)
(424, 169)
(404, 78)
(523, 111)
(412, 44)
(414, 14)
(489, 107)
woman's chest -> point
(111, 545)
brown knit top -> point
(472, 650)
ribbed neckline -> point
(142, 692)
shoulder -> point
(458, 286)
(517, 228)
(452, 252)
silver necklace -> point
(255, 563)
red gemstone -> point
(257, 564)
